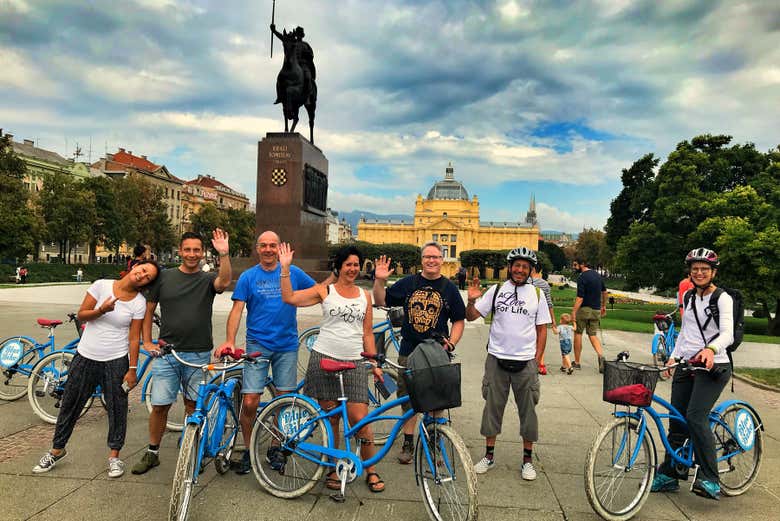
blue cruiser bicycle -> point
(621, 463)
(664, 339)
(293, 444)
(209, 432)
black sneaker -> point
(47, 462)
(406, 454)
(275, 458)
(244, 466)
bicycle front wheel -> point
(13, 380)
(446, 475)
(184, 475)
(739, 446)
(382, 428)
(46, 386)
(619, 470)
(280, 466)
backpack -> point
(738, 311)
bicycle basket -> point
(396, 316)
(434, 388)
(628, 383)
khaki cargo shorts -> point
(588, 319)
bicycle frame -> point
(669, 336)
(684, 454)
(210, 445)
(312, 452)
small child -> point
(566, 332)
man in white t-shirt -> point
(518, 333)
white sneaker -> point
(484, 465)
(116, 468)
(528, 472)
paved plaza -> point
(571, 413)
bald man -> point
(271, 329)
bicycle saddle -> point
(333, 366)
(45, 322)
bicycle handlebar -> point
(225, 366)
(685, 365)
(381, 359)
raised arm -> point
(303, 297)
(220, 243)
(381, 272)
(473, 293)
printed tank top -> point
(341, 331)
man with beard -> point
(429, 301)
(589, 306)
(518, 333)
(186, 296)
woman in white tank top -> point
(345, 332)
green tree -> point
(634, 203)
(241, 227)
(17, 220)
(107, 228)
(68, 212)
(555, 254)
(592, 247)
(545, 264)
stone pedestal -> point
(292, 189)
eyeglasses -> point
(431, 257)
(701, 270)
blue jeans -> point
(283, 365)
(170, 376)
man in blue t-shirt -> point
(429, 300)
(271, 329)
(589, 306)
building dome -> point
(448, 188)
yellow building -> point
(448, 216)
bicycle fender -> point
(20, 337)
(724, 405)
(656, 340)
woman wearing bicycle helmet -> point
(345, 332)
(702, 340)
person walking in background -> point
(589, 306)
(566, 333)
(462, 278)
(79, 274)
(107, 355)
(186, 297)
(271, 329)
(685, 285)
(23, 274)
(516, 341)
(537, 280)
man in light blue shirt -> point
(271, 329)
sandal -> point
(375, 486)
(332, 481)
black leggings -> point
(84, 375)
(694, 393)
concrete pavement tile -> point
(110, 500)
(503, 487)
(23, 496)
(17, 416)
(570, 489)
(513, 514)
(758, 504)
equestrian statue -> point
(295, 84)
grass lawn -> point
(765, 376)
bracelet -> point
(224, 254)
(712, 348)
(472, 302)
(284, 275)
(133, 367)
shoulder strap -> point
(687, 297)
(493, 305)
(713, 305)
(698, 322)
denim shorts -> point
(565, 346)
(170, 376)
(283, 365)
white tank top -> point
(341, 332)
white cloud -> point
(552, 218)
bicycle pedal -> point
(338, 497)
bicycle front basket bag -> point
(396, 316)
(627, 383)
(433, 382)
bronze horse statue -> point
(295, 85)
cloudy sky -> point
(552, 98)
